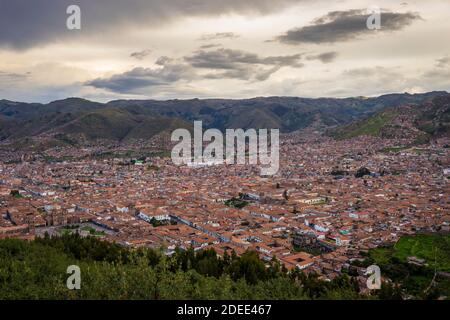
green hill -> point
(371, 126)
(119, 125)
(75, 127)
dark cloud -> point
(238, 64)
(138, 78)
(221, 59)
(244, 73)
(219, 35)
(25, 23)
(210, 45)
(164, 60)
(141, 54)
(345, 25)
(219, 64)
(229, 59)
(325, 57)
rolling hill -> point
(106, 123)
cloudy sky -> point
(164, 49)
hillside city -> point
(331, 201)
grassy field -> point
(370, 126)
(416, 280)
(421, 246)
(426, 247)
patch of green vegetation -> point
(426, 247)
(127, 154)
(15, 161)
(157, 223)
(38, 270)
(381, 256)
(238, 203)
(394, 149)
(313, 251)
(93, 231)
(16, 194)
(416, 280)
(65, 232)
(370, 126)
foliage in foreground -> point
(37, 270)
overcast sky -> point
(155, 49)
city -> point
(314, 215)
(217, 159)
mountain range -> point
(74, 119)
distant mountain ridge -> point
(286, 113)
(123, 120)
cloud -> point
(219, 64)
(169, 72)
(141, 54)
(219, 35)
(439, 75)
(210, 45)
(238, 64)
(229, 58)
(244, 73)
(325, 57)
(11, 81)
(24, 23)
(443, 62)
(345, 25)
(370, 81)
(9, 77)
(372, 72)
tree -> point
(363, 171)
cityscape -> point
(88, 178)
